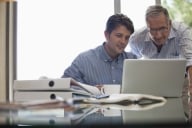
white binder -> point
(43, 84)
(22, 96)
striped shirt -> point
(178, 44)
(95, 67)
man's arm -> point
(189, 71)
(74, 70)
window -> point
(51, 33)
(135, 9)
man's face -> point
(159, 28)
(117, 40)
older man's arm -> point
(189, 69)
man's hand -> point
(101, 88)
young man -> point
(104, 64)
(163, 38)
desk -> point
(171, 113)
(175, 112)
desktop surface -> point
(171, 113)
(174, 112)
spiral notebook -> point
(160, 77)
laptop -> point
(160, 77)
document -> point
(126, 99)
(133, 102)
(93, 90)
(133, 107)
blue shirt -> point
(178, 44)
(95, 67)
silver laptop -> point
(160, 77)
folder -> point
(21, 96)
(43, 84)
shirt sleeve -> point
(186, 45)
(74, 70)
(133, 46)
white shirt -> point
(178, 44)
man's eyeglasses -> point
(161, 30)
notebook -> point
(160, 77)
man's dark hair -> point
(119, 19)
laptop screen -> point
(160, 77)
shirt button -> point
(112, 67)
(114, 81)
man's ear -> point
(106, 35)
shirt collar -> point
(104, 55)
